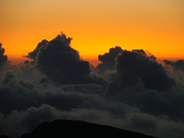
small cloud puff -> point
(3, 58)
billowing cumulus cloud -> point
(60, 62)
(108, 59)
(177, 65)
(3, 58)
(133, 65)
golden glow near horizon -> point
(94, 25)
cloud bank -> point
(138, 95)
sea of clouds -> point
(128, 90)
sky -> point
(95, 26)
(109, 73)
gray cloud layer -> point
(26, 102)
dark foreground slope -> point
(79, 129)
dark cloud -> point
(64, 97)
(168, 103)
(133, 65)
(3, 58)
(33, 54)
(22, 100)
(141, 51)
(178, 65)
(26, 62)
(93, 69)
(149, 124)
(8, 76)
(17, 123)
(25, 103)
(61, 63)
(108, 60)
(142, 82)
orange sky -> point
(95, 25)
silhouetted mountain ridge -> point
(79, 129)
